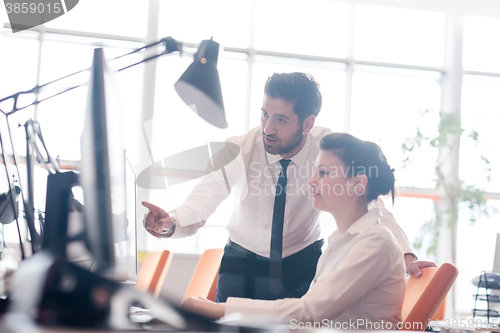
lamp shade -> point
(7, 213)
(199, 86)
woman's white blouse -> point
(359, 278)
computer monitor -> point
(129, 252)
(125, 241)
(496, 258)
(103, 165)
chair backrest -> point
(204, 280)
(439, 315)
(425, 294)
(153, 272)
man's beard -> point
(287, 146)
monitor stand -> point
(53, 292)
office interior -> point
(387, 69)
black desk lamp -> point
(80, 297)
(199, 87)
(7, 214)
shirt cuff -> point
(183, 216)
(249, 306)
(412, 254)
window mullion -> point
(251, 59)
(349, 69)
(41, 36)
(451, 95)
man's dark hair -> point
(299, 88)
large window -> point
(330, 75)
(380, 64)
(385, 109)
(286, 26)
(395, 35)
(480, 112)
(482, 44)
(125, 18)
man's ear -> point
(308, 123)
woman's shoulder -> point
(383, 237)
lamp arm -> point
(33, 131)
(170, 44)
(142, 61)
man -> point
(273, 245)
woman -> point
(360, 279)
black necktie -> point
(275, 259)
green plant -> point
(455, 191)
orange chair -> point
(439, 315)
(425, 295)
(204, 280)
(153, 272)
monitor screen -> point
(126, 250)
(103, 165)
(496, 258)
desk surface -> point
(26, 328)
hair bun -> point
(365, 157)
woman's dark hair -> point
(362, 157)
(299, 88)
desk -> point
(64, 330)
(73, 330)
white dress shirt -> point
(252, 177)
(359, 278)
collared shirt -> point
(252, 177)
(361, 276)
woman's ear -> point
(360, 182)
